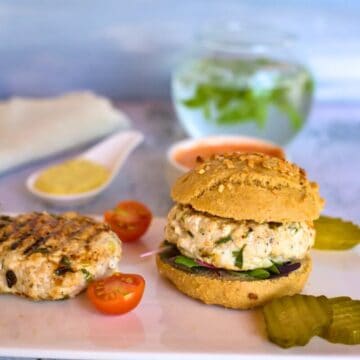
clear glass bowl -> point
(242, 79)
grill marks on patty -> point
(36, 245)
(43, 256)
(4, 220)
(10, 229)
(18, 242)
(31, 232)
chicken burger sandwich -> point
(241, 230)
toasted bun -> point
(250, 187)
(236, 294)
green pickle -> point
(345, 326)
(294, 320)
(335, 234)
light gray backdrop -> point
(126, 49)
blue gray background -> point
(126, 49)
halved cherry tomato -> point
(129, 220)
(116, 294)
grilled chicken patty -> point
(51, 257)
(219, 241)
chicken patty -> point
(51, 257)
(224, 242)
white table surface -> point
(328, 148)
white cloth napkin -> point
(32, 128)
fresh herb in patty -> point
(249, 231)
(64, 266)
(62, 270)
(65, 261)
(223, 240)
(239, 257)
(294, 228)
(87, 275)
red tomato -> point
(116, 294)
(129, 220)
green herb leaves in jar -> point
(256, 95)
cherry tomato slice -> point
(116, 294)
(129, 220)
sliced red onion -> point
(204, 264)
(286, 268)
(157, 251)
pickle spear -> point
(345, 326)
(335, 234)
(294, 320)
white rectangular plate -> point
(166, 323)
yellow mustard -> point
(72, 177)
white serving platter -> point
(166, 324)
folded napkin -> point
(34, 128)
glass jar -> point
(242, 79)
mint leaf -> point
(281, 101)
(233, 115)
(239, 257)
(185, 261)
(226, 95)
(290, 111)
(207, 111)
(309, 86)
(273, 269)
(193, 102)
(259, 273)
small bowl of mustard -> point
(78, 180)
